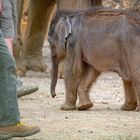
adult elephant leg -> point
(18, 41)
(130, 97)
(89, 77)
(19, 13)
(39, 16)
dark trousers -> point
(9, 113)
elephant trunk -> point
(54, 77)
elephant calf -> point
(94, 41)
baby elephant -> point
(94, 41)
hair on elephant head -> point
(60, 30)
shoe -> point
(19, 130)
(19, 82)
(23, 90)
(26, 90)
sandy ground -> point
(104, 121)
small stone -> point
(108, 108)
(104, 102)
(66, 118)
(91, 132)
(79, 131)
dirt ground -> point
(104, 121)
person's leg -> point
(8, 24)
(9, 113)
(9, 42)
(10, 125)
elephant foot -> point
(127, 107)
(33, 63)
(36, 64)
(85, 106)
(137, 108)
(67, 106)
(21, 71)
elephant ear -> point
(63, 28)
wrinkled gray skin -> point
(66, 5)
(30, 55)
(32, 58)
(93, 42)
